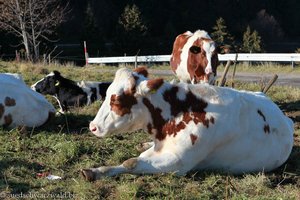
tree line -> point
(111, 27)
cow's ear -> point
(149, 86)
(142, 71)
(195, 49)
(56, 73)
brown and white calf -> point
(194, 127)
(194, 57)
(21, 106)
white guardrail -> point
(271, 57)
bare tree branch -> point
(32, 21)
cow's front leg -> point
(152, 164)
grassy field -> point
(66, 146)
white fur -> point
(31, 109)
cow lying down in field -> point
(21, 106)
(194, 127)
(69, 93)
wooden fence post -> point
(86, 55)
(234, 70)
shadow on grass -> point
(16, 181)
(289, 106)
(68, 123)
(287, 173)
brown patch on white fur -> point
(154, 84)
(192, 108)
(122, 104)
(142, 71)
(267, 128)
(177, 50)
(7, 120)
(193, 138)
(9, 101)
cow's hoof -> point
(88, 175)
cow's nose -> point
(93, 127)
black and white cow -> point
(69, 93)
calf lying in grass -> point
(69, 93)
(194, 127)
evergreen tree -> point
(131, 31)
(221, 35)
(251, 41)
(131, 20)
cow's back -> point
(250, 132)
(19, 105)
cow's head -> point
(195, 54)
(48, 84)
(202, 59)
(122, 109)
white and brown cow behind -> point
(21, 106)
(193, 127)
(194, 57)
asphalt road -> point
(283, 78)
(287, 79)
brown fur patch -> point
(192, 109)
(123, 103)
(177, 50)
(2, 110)
(157, 120)
(155, 84)
(171, 128)
(7, 120)
(267, 128)
(197, 63)
(142, 70)
(261, 114)
(9, 101)
(130, 163)
(193, 138)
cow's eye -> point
(195, 49)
